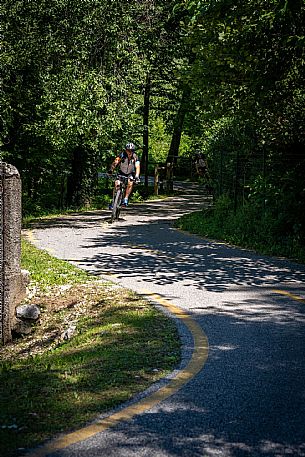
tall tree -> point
(67, 73)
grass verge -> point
(246, 228)
(49, 384)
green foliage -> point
(248, 79)
(263, 231)
(225, 76)
(72, 67)
(159, 141)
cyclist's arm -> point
(115, 163)
(137, 165)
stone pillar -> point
(12, 280)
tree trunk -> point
(178, 126)
(80, 182)
(145, 128)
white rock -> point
(31, 312)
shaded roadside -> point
(249, 398)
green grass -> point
(49, 385)
(47, 271)
(247, 228)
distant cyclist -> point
(200, 163)
(129, 166)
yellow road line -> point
(29, 235)
(143, 247)
(161, 254)
(288, 294)
(196, 363)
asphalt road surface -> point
(249, 397)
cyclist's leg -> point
(130, 184)
(129, 188)
(128, 191)
(117, 185)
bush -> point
(247, 227)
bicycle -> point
(118, 196)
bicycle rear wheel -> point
(115, 214)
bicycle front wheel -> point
(115, 214)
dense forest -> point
(81, 78)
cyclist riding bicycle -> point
(200, 163)
(129, 166)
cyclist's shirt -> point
(128, 166)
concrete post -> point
(12, 280)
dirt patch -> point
(61, 308)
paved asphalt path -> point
(249, 397)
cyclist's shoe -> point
(110, 206)
(125, 202)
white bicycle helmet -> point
(130, 146)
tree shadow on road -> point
(160, 254)
(253, 411)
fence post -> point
(13, 281)
(169, 178)
(236, 178)
(156, 180)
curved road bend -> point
(249, 397)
